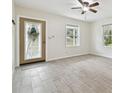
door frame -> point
(21, 41)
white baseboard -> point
(100, 54)
(52, 59)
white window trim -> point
(105, 35)
(72, 26)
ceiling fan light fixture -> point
(85, 8)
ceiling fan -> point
(86, 6)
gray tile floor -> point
(82, 74)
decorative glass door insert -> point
(32, 40)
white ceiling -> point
(63, 7)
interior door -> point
(32, 40)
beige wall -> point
(97, 46)
(55, 25)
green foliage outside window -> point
(107, 35)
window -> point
(72, 36)
(107, 35)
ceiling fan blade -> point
(93, 10)
(76, 8)
(86, 3)
(83, 12)
(80, 1)
(94, 4)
